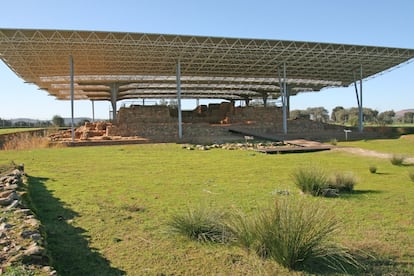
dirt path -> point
(370, 153)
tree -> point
(58, 121)
(370, 115)
(319, 114)
(336, 112)
(386, 117)
(298, 114)
(409, 117)
(5, 123)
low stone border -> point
(21, 237)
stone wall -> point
(20, 231)
(4, 138)
(212, 124)
(161, 122)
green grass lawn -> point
(105, 209)
(403, 145)
(14, 130)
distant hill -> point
(77, 120)
(27, 120)
(66, 120)
(401, 113)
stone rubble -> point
(21, 241)
(237, 146)
(97, 130)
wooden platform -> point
(296, 146)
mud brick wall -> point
(160, 122)
(265, 116)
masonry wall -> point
(212, 123)
(161, 122)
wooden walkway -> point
(296, 146)
(293, 146)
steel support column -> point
(93, 111)
(114, 97)
(284, 96)
(359, 100)
(178, 77)
(72, 96)
(288, 102)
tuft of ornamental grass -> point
(294, 232)
(200, 224)
(397, 160)
(343, 181)
(310, 180)
(372, 169)
(411, 175)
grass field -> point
(105, 209)
(14, 130)
(402, 146)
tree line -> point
(56, 121)
(349, 116)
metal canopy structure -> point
(144, 65)
(115, 66)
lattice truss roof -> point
(144, 65)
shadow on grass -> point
(384, 266)
(369, 264)
(381, 173)
(356, 194)
(67, 245)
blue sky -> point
(362, 22)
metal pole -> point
(114, 96)
(284, 102)
(178, 73)
(361, 111)
(72, 96)
(93, 111)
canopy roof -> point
(144, 65)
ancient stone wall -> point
(4, 138)
(161, 121)
(20, 231)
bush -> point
(201, 224)
(397, 160)
(411, 175)
(372, 169)
(310, 180)
(344, 182)
(18, 270)
(295, 233)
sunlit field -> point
(106, 209)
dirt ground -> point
(371, 153)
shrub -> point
(242, 229)
(295, 233)
(18, 270)
(310, 180)
(397, 160)
(201, 224)
(344, 182)
(372, 169)
(411, 175)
